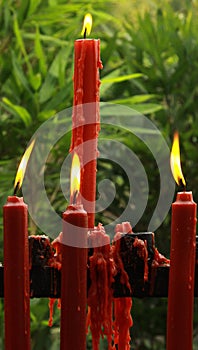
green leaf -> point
(22, 47)
(33, 6)
(135, 99)
(147, 108)
(60, 61)
(115, 77)
(47, 89)
(144, 108)
(44, 115)
(19, 37)
(121, 78)
(35, 81)
(19, 73)
(23, 10)
(40, 53)
(18, 111)
(47, 39)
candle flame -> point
(75, 176)
(175, 161)
(87, 24)
(22, 167)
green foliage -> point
(150, 58)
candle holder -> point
(45, 280)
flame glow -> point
(22, 166)
(87, 24)
(175, 161)
(75, 175)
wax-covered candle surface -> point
(86, 117)
(74, 279)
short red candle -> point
(74, 278)
(86, 118)
(181, 277)
(16, 275)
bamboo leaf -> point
(19, 73)
(59, 60)
(20, 39)
(147, 108)
(47, 89)
(18, 111)
(135, 99)
(115, 77)
(44, 115)
(23, 10)
(121, 78)
(34, 4)
(39, 52)
(46, 38)
(35, 81)
(144, 108)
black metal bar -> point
(45, 280)
(45, 283)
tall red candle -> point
(16, 266)
(74, 270)
(86, 117)
(16, 275)
(182, 263)
(182, 268)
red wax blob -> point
(181, 276)
(16, 275)
(74, 279)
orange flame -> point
(22, 166)
(87, 25)
(75, 176)
(175, 161)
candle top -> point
(14, 199)
(75, 208)
(81, 40)
(184, 196)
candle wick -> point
(16, 188)
(85, 33)
(75, 196)
(183, 185)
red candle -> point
(182, 266)
(16, 275)
(74, 275)
(86, 118)
(16, 267)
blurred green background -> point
(156, 39)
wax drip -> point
(122, 306)
(100, 296)
(142, 252)
(51, 311)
